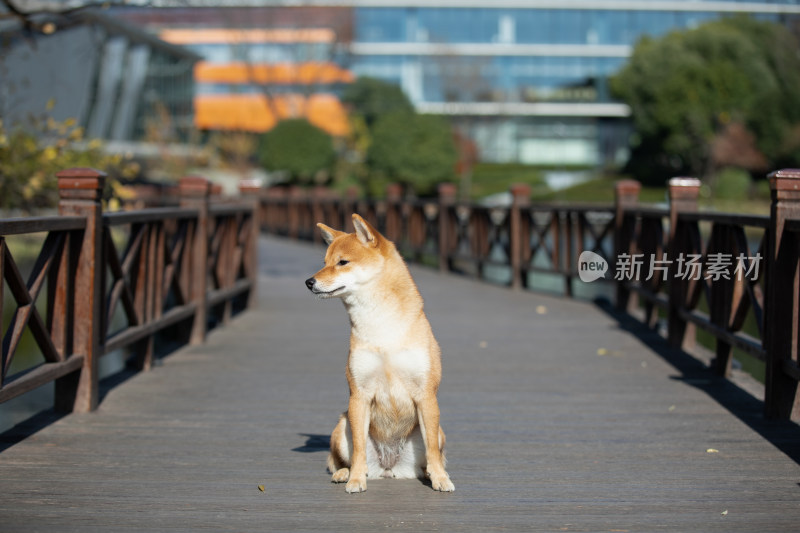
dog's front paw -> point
(441, 482)
(341, 475)
(356, 484)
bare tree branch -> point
(28, 11)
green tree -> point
(688, 87)
(299, 148)
(415, 150)
(372, 98)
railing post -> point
(683, 195)
(195, 193)
(781, 315)
(80, 193)
(275, 212)
(394, 215)
(447, 198)
(317, 197)
(626, 196)
(520, 199)
(296, 197)
(251, 188)
(349, 206)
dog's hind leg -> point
(434, 439)
(341, 451)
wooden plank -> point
(159, 253)
(172, 256)
(647, 212)
(40, 375)
(14, 279)
(572, 208)
(185, 274)
(230, 210)
(119, 287)
(59, 289)
(133, 334)
(52, 244)
(19, 226)
(218, 296)
(145, 216)
(26, 313)
(741, 340)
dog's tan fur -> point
(391, 427)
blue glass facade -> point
(530, 25)
(525, 80)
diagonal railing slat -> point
(160, 279)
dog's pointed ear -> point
(328, 234)
(366, 234)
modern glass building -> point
(527, 80)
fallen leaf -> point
(725, 512)
(261, 488)
(483, 344)
(542, 310)
(602, 351)
(671, 408)
(712, 450)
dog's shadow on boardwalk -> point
(314, 443)
(783, 434)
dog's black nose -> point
(310, 283)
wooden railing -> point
(743, 269)
(116, 280)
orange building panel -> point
(327, 112)
(275, 73)
(250, 112)
(234, 36)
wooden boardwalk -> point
(559, 417)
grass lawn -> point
(600, 190)
(488, 179)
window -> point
(380, 24)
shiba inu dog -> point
(391, 427)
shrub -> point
(31, 157)
(415, 150)
(732, 184)
(299, 148)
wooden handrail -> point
(20, 226)
(148, 215)
(176, 264)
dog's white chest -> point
(403, 371)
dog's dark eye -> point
(343, 262)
